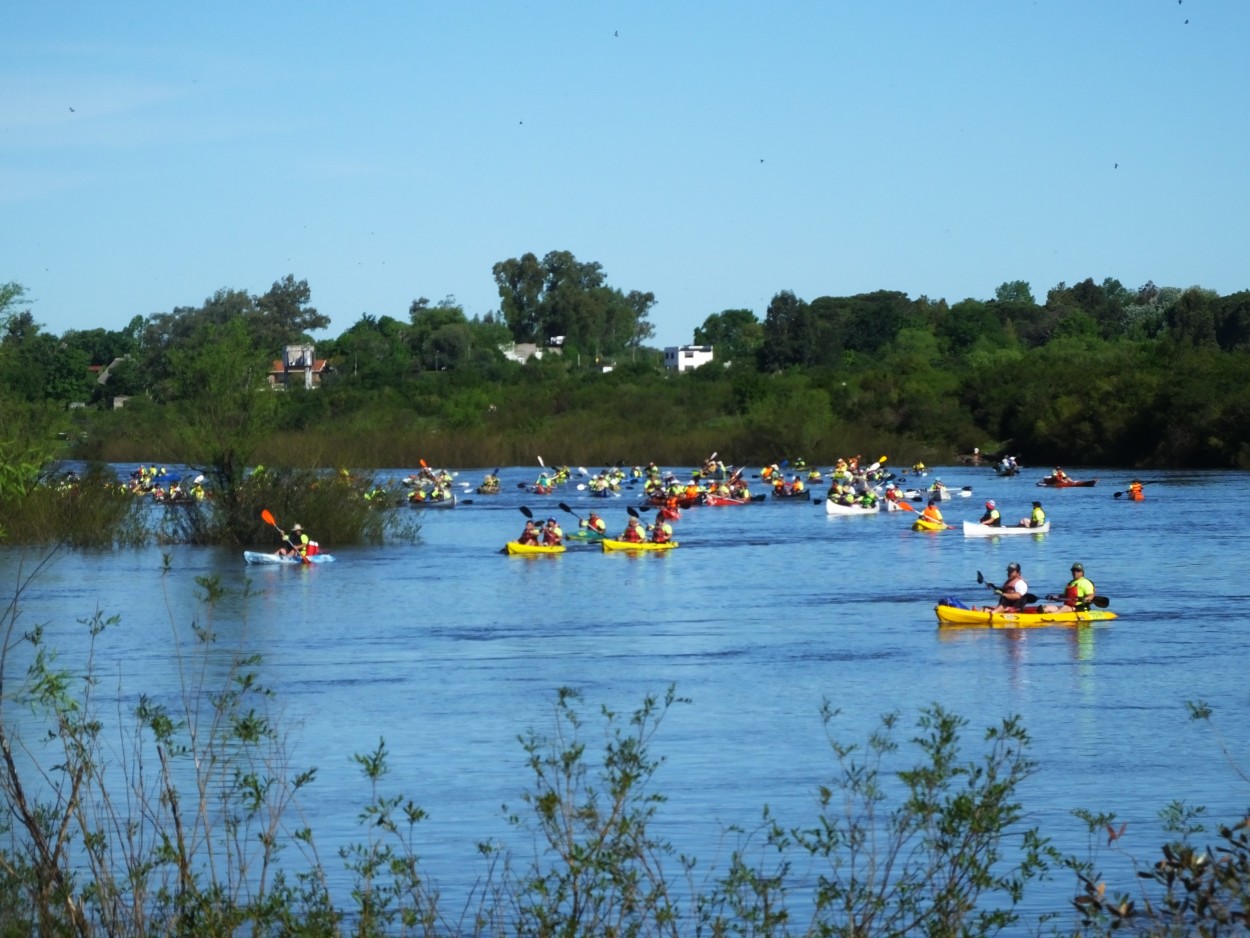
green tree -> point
(735, 334)
(225, 406)
(282, 316)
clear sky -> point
(713, 153)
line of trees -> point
(1096, 373)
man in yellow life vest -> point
(1036, 519)
(1077, 596)
(596, 525)
(296, 543)
(661, 532)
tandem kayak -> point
(516, 548)
(720, 501)
(835, 508)
(924, 524)
(973, 529)
(953, 617)
(1052, 482)
(610, 545)
(252, 556)
(448, 502)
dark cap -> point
(1013, 566)
(1077, 566)
(1037, 504)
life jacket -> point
(992, 518)
(1038, 517)
(662, 533)
(1079, 593)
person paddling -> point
(992, 518)
(1036, 519)
(296, 543)
(1011, 594)
(553, 535)
(1077, 596)
(633, 531)
(595, 525)
(933, 513)
(530, 534)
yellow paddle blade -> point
(883, 459)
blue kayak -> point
(252, 556)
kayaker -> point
(633, 531)
(596, 525)
(1135, 492)
(530, 534)
(1077, 596)
(932, 513)
(1059, 475)
(797, 486)
(1011, 594)
(1036, 519)
(991, 518)
(553, 535)
(662, 532)
(296, 543)
(892, 494)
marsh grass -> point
(89, 511)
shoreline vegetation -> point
(919, 829)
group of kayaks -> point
(609, 545)
(951, 614)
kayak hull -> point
(833, 508)
(924, 524)
(952, 617)
(972, 529)
(252, 556)
(517, 549)
(610, 545)
(1049, 482)
(449, 502)
(720, 501)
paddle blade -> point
(905, 506)
(525, 511)
(1102, 602)
(632, 510)
(980, 578)
(267, 516)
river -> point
(450, 650)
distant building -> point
(685, 357)
(299, 364)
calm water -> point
(449, 650)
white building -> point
(684, 357)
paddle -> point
(1102, 602)
(1118, 494)
(1025, 600)
(267, 516)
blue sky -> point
(711, 153)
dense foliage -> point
(1095, 374)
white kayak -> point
(973, 529)
(834, 508)
(252, 556)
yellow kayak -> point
(516, 547)
(953, 617)
(924, 524)
(610, 545)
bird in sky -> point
(71, 110)
(1116, 166)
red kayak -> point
(720, 500)
(1052, 482)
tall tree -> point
(735, 334)
(282, 316)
